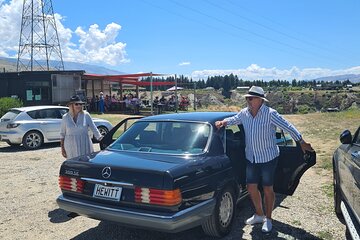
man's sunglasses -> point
(249, 98)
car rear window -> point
(9, 116)
(164, 137)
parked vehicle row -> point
(34, 126)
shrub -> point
(7, 102)
(280, 109)
(304, 109)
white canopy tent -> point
(174, 88)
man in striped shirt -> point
(260, 122)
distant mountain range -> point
(9, 64)
(354, 78)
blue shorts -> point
(261, 172)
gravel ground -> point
(28, 209)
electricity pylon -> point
(39, 40)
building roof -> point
(133, 79)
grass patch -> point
(113, 118)
(296, 222)
(325, 235)
(326, 164)
(328, 190)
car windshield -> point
(9, 116)
(164, 137)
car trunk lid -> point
(140, 169)
(114, 178)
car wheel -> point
(33, 140)
(220, 222)
(103, 130)
(12, 144)
(337, 195)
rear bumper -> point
(174, 222)
(11, 136)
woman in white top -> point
(75, 140)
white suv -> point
(33, 126)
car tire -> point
(33, 140)
(337, 195)
(103, 131)
(220, 222)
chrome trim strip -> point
(349, 222)
(93, 180)
(164, 217)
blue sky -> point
(253, 39)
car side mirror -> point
(345, 137)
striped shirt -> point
(260, 137)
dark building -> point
(41, 87)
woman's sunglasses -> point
(78, 104)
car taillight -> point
(157, 196)
(71, 184)
(12, 125)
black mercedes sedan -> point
(170, 173)
(346, 169)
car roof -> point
(192, 116)
(32, 108)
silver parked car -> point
(34, 126)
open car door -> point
(116, 131)
(291, 166)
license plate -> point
(109, 193)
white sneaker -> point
(255, 219)
(267, 226)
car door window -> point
(123, 128)
(48, 113)
(34, 114)
(63, 111)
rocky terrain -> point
(288, 102)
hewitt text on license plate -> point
(110, 193)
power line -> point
(236, 35)
(249, 31)
(275, 30)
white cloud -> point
(184, 63)
(10, 21)
(94, 45)
(255, 72)
(98, 46)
